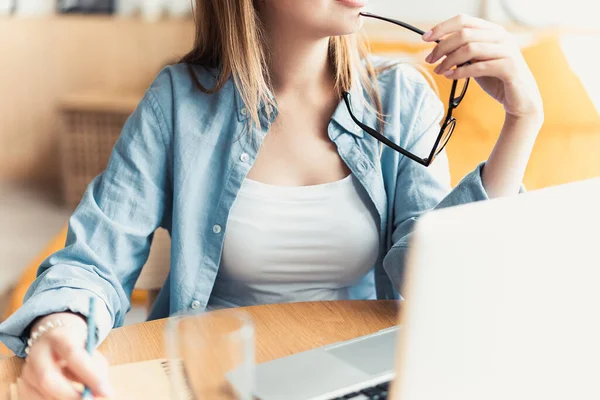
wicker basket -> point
(86, 145)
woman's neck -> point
(299, 64)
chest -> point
(297, 151)
(211, 174)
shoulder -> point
(178, 82)
(180, 76)
(173, 93)
(406, 87)
(405, 78)
(174, 97)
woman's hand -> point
(58, 359)
(496, 63)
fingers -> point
(90, 371)
(474, 46)
(56, 361)
(471, 52)
(496, 68)
(457, 23)
(462, 37)
(43, 376)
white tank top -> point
(287, 244)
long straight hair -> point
(230, 37)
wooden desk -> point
(281, 330)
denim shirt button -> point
(217, 229)
(195, 305)
(245, 157)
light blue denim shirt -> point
(179, 164)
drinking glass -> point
(211, 356)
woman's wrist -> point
(73, 321)
(531, 122)
(505, 168)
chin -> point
(348, 26)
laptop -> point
(502, 302)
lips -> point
(354, 3)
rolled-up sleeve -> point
(109, 234)
(421, 189)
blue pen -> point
(90, 344)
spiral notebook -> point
(146, 380)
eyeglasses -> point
(447, 128)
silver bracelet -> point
(40, 331)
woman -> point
(322, 212)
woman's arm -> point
(505, 168)
(499, 68)
(109, 233)
(420, 189)
(107, 245)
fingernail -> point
(427, 35)
(428, 58)
(437, 69)
(449, 73)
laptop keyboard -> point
(379, 392)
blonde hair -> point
(230, 37)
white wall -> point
(425, 10)
(5, 6)
(36, 7)
(572, 13)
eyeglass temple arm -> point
(380, 137)
(395, 21)
(402, 24)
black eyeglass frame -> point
(449, 121)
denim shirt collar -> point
(264, 110)
(341, 115)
